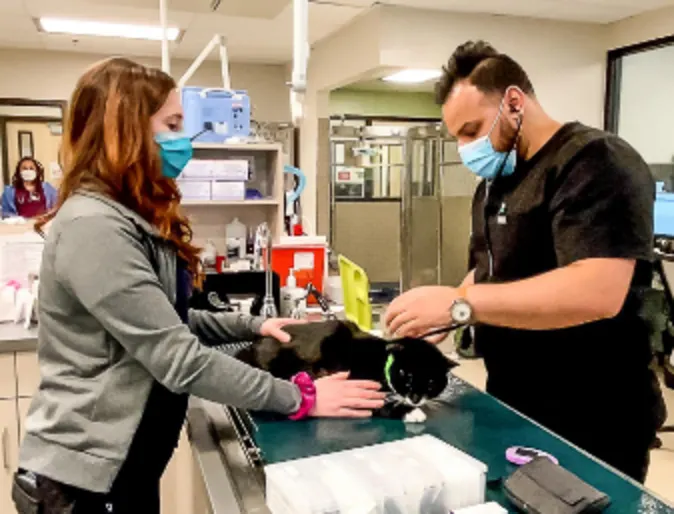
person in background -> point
(29, 196)
(119, 349)
(562, 246)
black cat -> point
(412, 370)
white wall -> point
(52, 76)
(383, 103)
(644, 27)
(647, 104)
(566, 61)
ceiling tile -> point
(18, 28)
(11, 7)
(101, 46)
(241, 8)
(256, 38)
(87, 10)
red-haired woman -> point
(29, 196)
(119, 349)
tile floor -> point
(661, 473)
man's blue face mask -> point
(481, 158)
(175, 150)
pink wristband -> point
(308, 391)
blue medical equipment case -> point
(221, 114)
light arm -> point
(581, 292)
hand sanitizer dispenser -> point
(293, 298)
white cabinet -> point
(19, 378)
(27, 374)
(7, 376)
(9, 448)
(180, 491)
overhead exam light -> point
(105, 29)
(413, 76)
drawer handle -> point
(5, 448)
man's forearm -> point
(569, 296)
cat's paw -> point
(415, 416)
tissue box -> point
(421, 474)
(231, 169)
(230, 191)
(195, 189)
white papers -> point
(20, 256)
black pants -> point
(621, 441)
(131, 495)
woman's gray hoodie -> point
(108, 329)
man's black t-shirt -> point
(585, 194)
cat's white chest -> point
(415, 416)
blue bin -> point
(227, 111)
(664, 214)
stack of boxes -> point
(216, 180)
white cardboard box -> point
(195, 189)
(228, 191)
(231, 169)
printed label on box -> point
(303, 260)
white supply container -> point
(416, 475)
(197, 169)
(228, 191)
(195, 189)
(236, 234)
(231, 170)
(292, 295)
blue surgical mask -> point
(481, 158)
(175, 150)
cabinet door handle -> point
(5, 448)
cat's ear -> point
(394, 347)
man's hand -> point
(274, 328)
(420, 311)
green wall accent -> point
(383, 103)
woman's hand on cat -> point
(339, 397)
(274, 328)
(420, 310)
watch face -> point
(461, 311)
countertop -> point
(15, 338)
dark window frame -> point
(614, 75)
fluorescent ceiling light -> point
(413, 76)
(105, 29)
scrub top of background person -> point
(29, 196)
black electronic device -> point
(220, 290)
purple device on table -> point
(521, 455)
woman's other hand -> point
(274, 328)
(339, 397)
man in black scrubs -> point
(562, 245)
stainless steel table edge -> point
(232, 483)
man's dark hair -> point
(484, 67)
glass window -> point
(642, 101)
